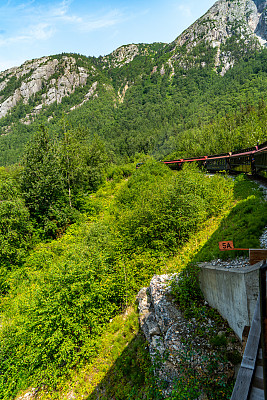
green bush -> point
(119, 172)
(160, 210)
(67, 290)
(56, 319)
(185, 287)
(219, 340)
(243, 224)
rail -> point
(263, 293)
(250, 160)
(251, 379)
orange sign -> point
(226, 245)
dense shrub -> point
(67, 290)
(160, 210)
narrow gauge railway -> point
(252, 160)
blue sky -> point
(36, 28)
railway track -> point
(250, 380)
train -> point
(252, 160)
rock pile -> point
(172, 338)
(263, 239)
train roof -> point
(237, 153)
(182, 160)
(247, 150)
(214, 156)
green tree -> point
(16, 229)
(96, 161)
(83, 165)
(42, 184)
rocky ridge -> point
(237, 23)
(125, 54)
(59, 78)
(121, 56)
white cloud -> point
(49, 20)
(185, 10)
(90, 24)
(61, 9)
(62, 14)
(6, 64)
(12, 40)
(42, 31)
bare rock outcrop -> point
(58, 78)
(229, 30)
(244, 20)
(227, 18)
(91, 94)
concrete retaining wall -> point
(233, 292)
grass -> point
(243, 224)
(122, 369)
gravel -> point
(178, 341)
(263, 239)
(239, 262)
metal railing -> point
(263, 296)
(244, 383)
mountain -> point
(41, 90)
(42, 82)
(232, 28)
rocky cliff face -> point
(230, 27)
(228, 31)
(51, 78)
(121, 56)
(229, 18)
(126, 54)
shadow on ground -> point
(130, 377)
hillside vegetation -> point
(135, 111)
(58, 296)
(82, 231)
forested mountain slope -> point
(144, 98)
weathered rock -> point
(90, 94)
(39, 73)
(246, 20)
(157, 318)
(50, 79)
(147, 318)
(125, 54)
(121, 95)
(29, 395)
(171, 337)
